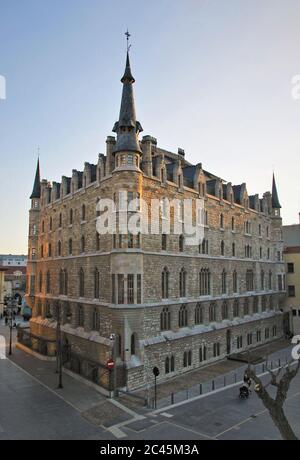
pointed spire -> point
(275, 199)
(36, 192)
(127, 128)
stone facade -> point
(146, 289)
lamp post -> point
(113, 338)
(58, 346)
(11, 306)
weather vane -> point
(127, 37)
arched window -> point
(132, 344)
(182, 317)
(50, 224)
(270, 280)
(182, 283)
(204, 282)
(233, 224)
(222, 248)
(82, 244)
(43, 226)
(83, 212)
(71, 217)
(70, 246)
(249, 280)
(59, 248)
(80, 316)
(199, 317)
(96, 284)
(97, 241)
(234, 282)
(81, 283)
(48, 283)
(40, 282)
(246, 307)
(224, 311)
(172, 363)
(167, 365)
(202, 353)
(49, 250)
(190, 357)
(165, 320)
(255, 305)
(221, 221)
(224, 282)
(61, 282)
(212, 313)
(181, 243)
(236, 309)
(60, 220)
(165, 283)
(96, 320)
(233, 249)
(262, 280)
(164, 242)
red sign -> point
(110, 364)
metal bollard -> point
(235, 378)
(200, 389)
(224, 381)
(279, 362)
(213, 385)
(187, 394)
(263, 368)
(172, 398)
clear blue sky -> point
(212, 77)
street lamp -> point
(113, 338)
(58, 346)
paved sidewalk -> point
(91, 404)
(210, 377)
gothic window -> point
(190, 356)
(82, 244)
(270, 280)
(199, 317)
(48, 283)
(83, 212)
(182, 283)
(234, 282)
(59, 248)
(202, 353)
(260, 253)
(80, 316)
(172, 363)
(249, 280)
(130, 289)
(233, 249)
(81, 283)
(204, 282)
(121, 298)
(71, 217)
(40, 282)
(50, 250)
(70, 246)
(246, 307)
(263, 303)
(236, 309)
(224, 311)
(217, 349)
(262, 280)
(133, 344)
(165, 320)
(164, 242)
(181, 243)
(60, 220)
(212, 312)
(96, 320)
(139, 289)
(50, 224)
(222, 248)
(233, 224)
(165, 283)
(255, 305)
(167, 365)
(224, 282)
(222, 222)
(182, 317)
(96, 284)
(97, 241)
(43, 226)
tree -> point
(281, 380)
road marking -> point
(117, 432)
(238, 425)
(165, 414)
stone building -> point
(291, 236)
(151, 299)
